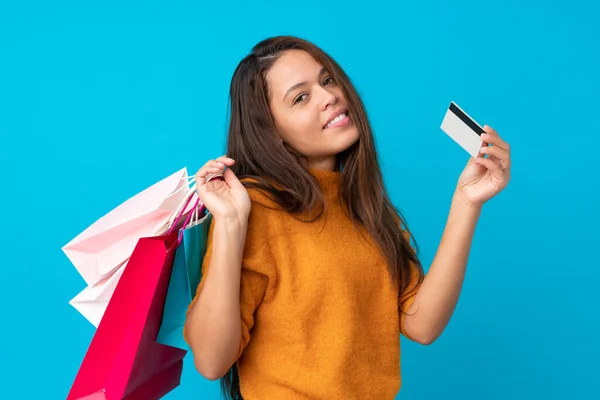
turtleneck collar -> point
(328, 180)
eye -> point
(328, 80)
(300, 98)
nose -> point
(329, 98)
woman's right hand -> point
(225, 199)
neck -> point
(326, 164)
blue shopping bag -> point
(185, 278)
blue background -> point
(102, 99)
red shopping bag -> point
(124, 361)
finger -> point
(479, 154)
(205, 178)
(214, 177)
(200, 178)
(490, 130)
(211, 167)
(498, 153)
(217, 163)
(226, 160)
(491, 165)
(232, 180)
(492, 137)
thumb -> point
(231, 179)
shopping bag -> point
(100, 253)
(109, 241)
(93, 300)
(185, 278)
(124, 361)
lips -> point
(334, 115)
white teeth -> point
(337, 119)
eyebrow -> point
(297, 85)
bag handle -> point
(187, 220)
(192, 191)
(190, 179)
(185, 201)
(191, 213)
(174, 224)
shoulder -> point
(265, 222)
(258, 196)
(266, 215)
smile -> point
(339, 121)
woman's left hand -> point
(483, 178)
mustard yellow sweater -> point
(319, 311)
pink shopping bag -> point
(124, 361)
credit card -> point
(463, 129)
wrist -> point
(233, 226)
(230, 222)
(459, 200)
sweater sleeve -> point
(406, 298)
(257, 272)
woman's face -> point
(309, 109)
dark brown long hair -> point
(281, 172)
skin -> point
(300, 114)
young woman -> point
(310, 277)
